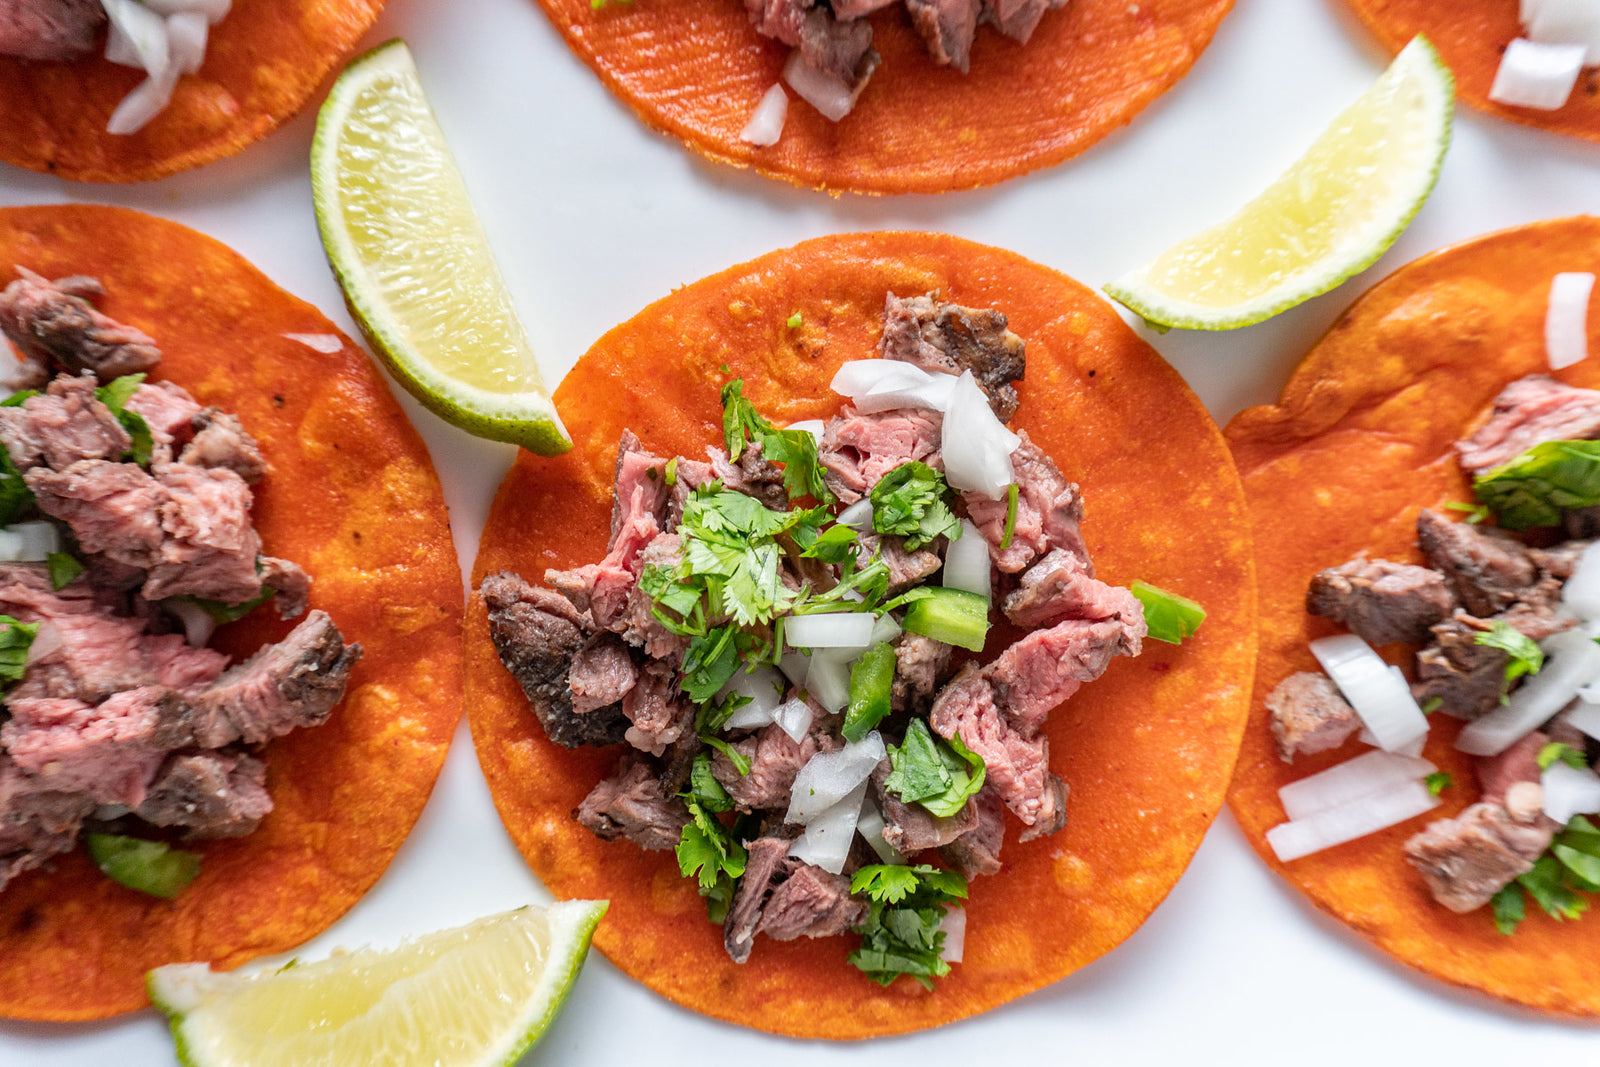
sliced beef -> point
(49, 30)
(910, 828)
(54, 323)
(1468, 859)
(906, 567)
(168, 410)
(1512, 779)
(290, 585)
(1536, 614)
(838, 52)
(947, 28)
(1049, 511)
(36, 821)
(1488, 568)
(1016, 764)
(775, 758)
(209, 545)
(1044, 668)
(978, 851)
(109, 753)
(1309, 714)
(1380, 601)
(1528, 412)
(1053, 815)
(220, 442)
(536, 633)
(62, 425)
(1559, 561)
(208, 795)
(753, 475)
(96, 653)
(780, 19)
(858, 449)
(640, 486)
(636, 804)
(602, 673)
(1017, 18)
(112, 508)
(920, 668)
(1466, 678)
(766, 861)
(949, 338)
(810, 902)
(291, 684)
(659, 711)
(640, 627)
(178, 665)
(1059, 586)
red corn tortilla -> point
(1358, 443)
(263, 62)
(351, 496)
(695, 69)
(1146, 749)
(1471, 35)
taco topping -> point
(117, 717)
(774, 632)
(1509, 628)
(1539, 70)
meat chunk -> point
(978, 850)
(1468, 859)
(1309, 715)
(640, 627)
(1059, 586)
(36, 822)
(906, 567)
(839, 54)
(112, 508)
(1053, 814)
(1528, 412)
(209, 545)
(54, 323)
(97, 654)
(49, 29)
(62, 425)
(1047, 666)
(779, 19)
(1380, 601)
(178, 665)
(1017, 18)
(1488, 568)
(948, 338)
(753, 475)
(601, 673)
(209, 795)
(910, 828)
(636, 804)
(1049, 511)
(536, 633)
(766, 861)
(775, 758)
(811, 902)
(1504, 779)
(108, 753)
(290, 585)
(169, 411)
(857, 450)
(1464, 677)
(1016, 764)
(220, 442)
(296, 682)
(947, 28)
(920, 666)
(658, 710)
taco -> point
(243, 383)
(698, 71)
(1362, 483)
(1144, 749)
(1472, 37)
(262, 61)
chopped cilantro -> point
(704, 789)
(15, 496)
(709, 663)
(909, 502)
(794, 321)
(1559, 750)
(833, 545)
(1170, 617)
(892, 883)
(671, 472)
(740, 761)
(1526, 656)
(63, 568)
(1558, 879)
(871, 679)
(902, 934)
(222, 612)
(1011, 517)
(16, 399)
(114, 395)
(929, 771)
(1533, 488)
(1476, 513)
(707, 851)
(1549, 890)
(1509, 909)
(1438, 782)
(15, 639)
(795, 449)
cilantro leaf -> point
(1509, 909)
(1476, 513)
(740, 761)
(1526, 655)
(909, 502)
(928, 771)
(902, 934)
(709, 662)
(794, 321)
(221, 611)
(707, 851)
(15, 496)
(63, 568)
(833, 545)
(1438, 782)
(16, 399)
(15, 640)
(1558, 750)
(114, 395)
(1533, 488)
(1545, 885)
(892, 883)
(704, 789)
(1170, 617)
(795, 449)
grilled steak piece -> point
(1059, 586)
(209, 545)
(1017, 18)
(1512, 779)
(293, 683)
(779, 19)
(978, 851)
(97, 654)
(811, 902)
(62, 425)
(208, 794)
(635, 803)
(169, 411)
(910, 828)
(1528, 412)
(1049, 510)
(220, 442)
(108, 753)
(840, 52)
(1380, 601)
(49, 29)
(857, 450)
(1053, 815)
(753, 475)
(1465, 677)
(1046, 667)
(660, 713)
(1016, 763)
(178, 665)
(640, 627)
(906, 568)
(602, 673)
(36, 821)
(1488, 568)
(947, 28)
(112, 508)
(54, 324)
(949, 338)
(290, 584)
(1309, 714)
(920, 668)
(536, 633)
(767, 859)
(1468, 859)
(775, 759)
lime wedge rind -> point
(402, 316)
(1419, 71)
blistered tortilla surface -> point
(1360, 441)
(1471, 36)
(351, 496)
(1147, 749)
(695, 69)
(263, 61)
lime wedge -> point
(413, 260)
(477, 995)
(1330, 215)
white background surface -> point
(593, 216)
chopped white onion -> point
(857, 516)
(870, 826)
(186, 41)
(46, 641)
(827, 838)
(29, 542)
(885, 384)
(1335, 826)
(143, 103)
(822, 91)
(814, 427)
(1537, 75)
(1573, 661)
(764, 686)
(1566, 318)
(838, 629)
(828, 680)
(120, 48)
(794, 718)
(954, 928)
(144, 31)
(1586, 717)
(1569, 791)
(326, 343)
(1379, 696)
(794, 666)
(1581, 593)
(829, 777)
(966, 563)
(885, 629)
(766, 121)
(198, 625)
(976, 445)
(213, 10)
(1565, 22)
(1372, 772)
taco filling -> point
(127, 537)
(1508, 618)
(788, 635)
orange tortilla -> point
(695, 69)
(1147, 749)
(1471, 35)
(351, 496)
(1359, 442)
(263, 62)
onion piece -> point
(794, 666)
(954, 928)
(966, 563)
(144, 103)
(766, 121)
(1569, 791)
(827, 94)
(186, 41)
(829, 777)
(1372, 772)
(870, 826)
(1379, 696)
(828, 680)
(213, 10)
(1586, 717)
(827, 838)
(46, 641)
(1335, 826)
(326, 343)
(1534, 75)
(885, 384)
(885, 629)
(857, 516)
(29, 542)
(1565, 22)
(143, 30)
(976, 445)
(764, 686)
(120, 49)
(1581, 593)
(838, 629)
(814, 427)
(198, 625)
(1566, 318)
(794, 718)
(1573, 662)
